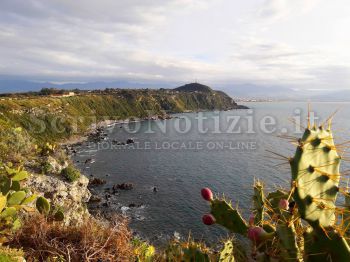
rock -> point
(123, 186)
(97, 135)
(124, 209)
(130, 141)
(96, 181)
(56, 167)
(242, 107)
(88, 161)
(107, 196)
(72, 197)
(95, 198)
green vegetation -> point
(194, 87)
(11, 255)
(71, 173)
(14, 200)
(52, 119)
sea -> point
(171, 160)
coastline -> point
(104, 199)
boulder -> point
(130, 141)
(96, 181)
(71, 197)
(123, 186)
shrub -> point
(42, 240)
(71, 173)
(15, 144)
(46, 168)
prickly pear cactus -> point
(197, 251)
(228, 216)
(258, 203)
(143, 251)
(13, 198)
(346, 213)
(315, 176)
(275, 227)
(187, 251)
(226, 254)
(288, 242)
(43, 205)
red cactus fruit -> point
(256, 234)
(283, 204)
(208, 219)
(207, 194)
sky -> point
(303, 44)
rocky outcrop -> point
(71, 197)
(55, 166)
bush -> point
(93, 240)
(15, 145)
(46, 168)
(71, 173)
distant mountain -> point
(16, 86)
(233, 90)
(192, 87)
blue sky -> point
(302, 44)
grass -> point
(91, 241)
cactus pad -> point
(315, 176)
(16, 198)
(258, 202)
(43, 205)
(226, 254)
(228, 217)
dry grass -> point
(92, 241)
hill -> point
(194, 87)
(33, 112)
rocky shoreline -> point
(104, 201)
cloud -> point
(163, 40)
(273, 10)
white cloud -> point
(275, 42)
(273, 10)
